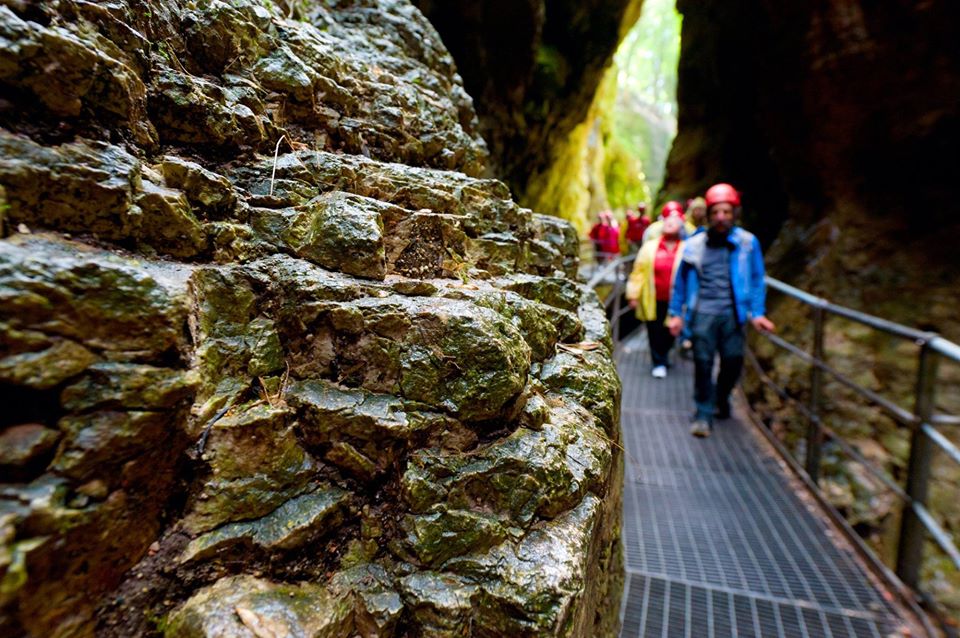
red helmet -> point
(670, 208)
(722, 194)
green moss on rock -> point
(256, 463)
(527, 474)
(589, 378)
(438, 536)
(534, 587)
(296, 522)
(47, 368)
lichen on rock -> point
(278, 360)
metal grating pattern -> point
(717, 543)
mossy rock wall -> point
(276, 359)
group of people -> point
(638, 228)
(699, 275)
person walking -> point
(650, 284)
(656, 228)
(606, 237)
(696, 219)
(697, 213)
(637, 224)
(718, 288)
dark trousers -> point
(660, 338)
(713, 334)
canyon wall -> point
(276, 358)
(837, 119)
(534, 69)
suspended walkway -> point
(731, 536)
(717, 541)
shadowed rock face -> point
(274, 359)
(832, 109)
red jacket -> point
(636, 224)
(606, 237)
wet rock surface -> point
(275, 359)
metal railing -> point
(917, 522)
(614, 273)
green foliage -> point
(649, 55)
(616, 157)
(552, 68)
(624, 176)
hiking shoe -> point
(723, 411)
(700, 428)
(659, 372)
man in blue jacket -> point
(719, 287)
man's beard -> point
(718, 237)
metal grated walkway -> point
(717, 542)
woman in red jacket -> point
(606, 237)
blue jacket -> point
(746, 276)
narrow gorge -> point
(293, 336)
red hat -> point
(722, 194)
(671, 208)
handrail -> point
(895, 411)
(917, 521)
(873, 561)
(948, 448)
(600, 275)
(619, 268)
(940, 536)
(854, 315)
(946, 348)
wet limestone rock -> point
(291, 525)
(588, 378)
(254, 462)
(23, 446)
(441, 604)
(244, 606)
(377, 603)
(529, 473)
(448, 354)
(91, 73)
(543, 577)
(275, 359)
(205, 190)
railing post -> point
(814, 429)
(912, 531)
